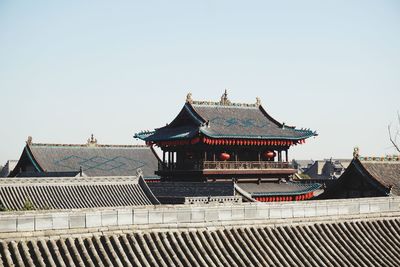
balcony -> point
(229, 167)
(240, 165)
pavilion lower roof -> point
(278, 189)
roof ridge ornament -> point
(29, 141)
(224, 99)
(258, 101)
(189, 98)
(356, 152)
(92, 141)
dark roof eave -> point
(308, 135)
(372, 180)
(310, 189)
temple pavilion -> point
(225, 141)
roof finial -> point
(224, 99)
(356, 152)
(189, 98)
(258, 101)
(92, 141)
(29, 141)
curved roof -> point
(73, 193)
(98, 160)
(278, 189)
(227, 120)
(386, 173)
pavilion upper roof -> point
(224, 119)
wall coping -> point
(186, 216)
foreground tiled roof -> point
(362, 242)
(73, 193)
(96, 160)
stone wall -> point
(164, 216)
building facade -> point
(225, 141)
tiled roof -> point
(387, 173)
(278, 189)
(244, 122)
(229, 120)
(364, 242)
(73, 193)
(99, 160)
(176, 192)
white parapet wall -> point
(167, 216)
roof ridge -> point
(224, 102)
(46, 181)
(384, 159)
(226, 105)
(86, 145)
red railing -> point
(245, 165)
(229, 165)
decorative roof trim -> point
(212, 103)
(224, 102)
(92, 141)
(309, 189)
(386, 159)
(192, 112)
(33, 161)
(309, 134)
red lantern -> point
(269, 154)
(224, 156)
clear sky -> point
(113, 68)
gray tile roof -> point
(73, 193)
(387, 173)
(99, 160)
(363, 242)
(244, 122)
(192, 189)
(225, 121)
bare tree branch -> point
(393, 137)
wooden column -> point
(287, 156)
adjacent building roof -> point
(327, 168)
(224, 120)
(6, 170)
(73, 193)
(386, 173)
(363, 242)
(368, 176)
(92, 159)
